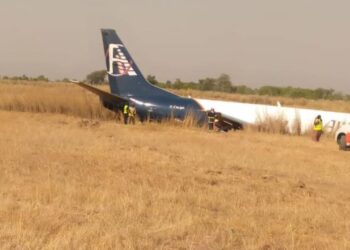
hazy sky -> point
(302, 43)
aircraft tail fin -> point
(125, 78)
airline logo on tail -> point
(118, 63)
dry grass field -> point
(42, 97)
(68, 182)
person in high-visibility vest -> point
(318, 128)
(132, 114)
(211, 119)
(126, 113)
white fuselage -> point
(246, 113)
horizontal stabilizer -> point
(105, 96)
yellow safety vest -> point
(318, 126)
(126, 109)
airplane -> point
(128, 85)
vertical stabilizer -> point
(124, 76)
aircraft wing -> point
(105, 96)
(247, 113)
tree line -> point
(40, 78)
(221, 83)
(224, 84)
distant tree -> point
(270, 90)
(191, 85)
(295, 92)
(178, 84)
(206, 84)
(242, 89)
(321, 93)
(168, 84)
(152, 79)
(41, 78)
(96, 77)
(24, 77)
(223, 83)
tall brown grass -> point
(110, 186)
(62, 98)
(280, 125)
(270, 124)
